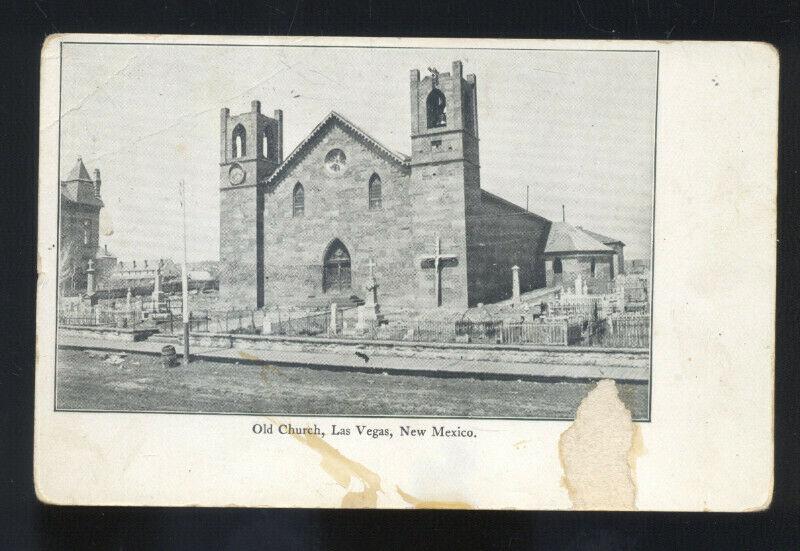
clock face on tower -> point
(236, 175)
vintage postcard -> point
(339, 272)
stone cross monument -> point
(370, 311)
(157, 286)
(439, 260)
(90, 278)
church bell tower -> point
(251, 147)
(445, 178)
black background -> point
(25, 523)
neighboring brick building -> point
(303, 230)
(79, 232)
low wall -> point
(562, 355)
(107, 333)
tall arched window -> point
(336, 269)
(298, 200)
(239, 137)
(557, 268)
(437, 109)
(266, 142)
(87, 230)
(375, 192)
(593, 267)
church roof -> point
(333, 116)
(605, 240)
(564, 238)
(508, 204)
(78, 172)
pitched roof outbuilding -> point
(565, 239)
(605, 240)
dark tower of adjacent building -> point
(79, 232)
(251, 147)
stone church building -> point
(309, 228)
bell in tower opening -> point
(437, 109)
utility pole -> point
(185, 281)
(563, 214)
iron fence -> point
(246, 322)
(619, 332)
(626, 330)
(102, 318)
(311, 325)
(486, 332)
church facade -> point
(315, 226)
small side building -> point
(572, 250)
(616, 244)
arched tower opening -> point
(239, 141)
(436, 109)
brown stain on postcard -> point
(430, 504)
(342, 470)
(598, 453)
(266, 369)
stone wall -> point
(337, 207)
(438, 213)
(238, 247)
(468, 352)
(74, 254)
(499, 236)
(106, 333)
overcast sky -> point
(577, 127)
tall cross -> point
(371, 266)
(438, 260)
(434, 76)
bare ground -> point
(140, 383)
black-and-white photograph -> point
(354, 231)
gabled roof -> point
(333, 116)
(511, 206)
(78, 172)
(564, 239)
(601, 238)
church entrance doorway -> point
(336, 272)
